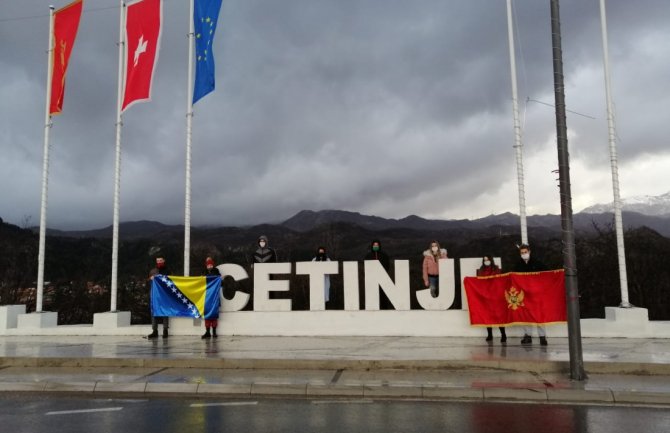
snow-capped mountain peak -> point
(658, 205)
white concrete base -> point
(451, 323)
(416, 323)
(631, 315)
(9, 315)
(111, 319)
(623, 322)
(45, 319)
(184, 326)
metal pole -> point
(518, 146)
(117, 166)
(611, 129)
(189, 133)
(45, 170)
(569, 255)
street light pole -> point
(569, 254)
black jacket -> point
(531, 266)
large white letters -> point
(263, 285)
(376, 279)
(316, 271)
(447, 290)
(240, 299)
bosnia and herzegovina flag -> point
(196, 297)
(517, 298)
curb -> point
(371, 392)
(539, 367)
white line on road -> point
(229, 403)
(342, 401)
(68, 412)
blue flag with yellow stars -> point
(205, 16)
(197, 297)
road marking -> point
(364, 401)
(68, 412)
(228, 403)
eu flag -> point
(197, 297)
(205, 16)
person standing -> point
(487, 269)
(431, 266)
(527, 263)
(159, 269)
(376, 253)
(213, 322)
(264, 254)
(322, 256)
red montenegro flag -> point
(517, 298)
(66, 24)
(143, 32)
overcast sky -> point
(384, 107)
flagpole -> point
(117, 169)
(189, 138)
(45, 169)
(518, 145)
(611, 128)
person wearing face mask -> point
(264, 254)
(527, 263)
(160, 269)
(322, 256)
(487, 269)
(211, 270)
(431, 266)
(376, 253)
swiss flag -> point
(143, 33)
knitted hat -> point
(209, 261)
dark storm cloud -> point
(387, 107)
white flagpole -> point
(518, 145)
(45, 169)
(117, 170)
(611, 128)
(189, 133)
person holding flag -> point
(159, 269)
(212, 322)
(528, 264)
(487, 269)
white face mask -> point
(261, 244)
(433, 249)
(525, 256)
(487, 262)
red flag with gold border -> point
(517, 298)
(66, 24)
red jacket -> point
(487, 271)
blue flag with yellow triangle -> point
(197, 297)
(205, 16)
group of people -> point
(524, 264)
(430, 270)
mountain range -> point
(647, 211)
(658, 205)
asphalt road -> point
(43, 413)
